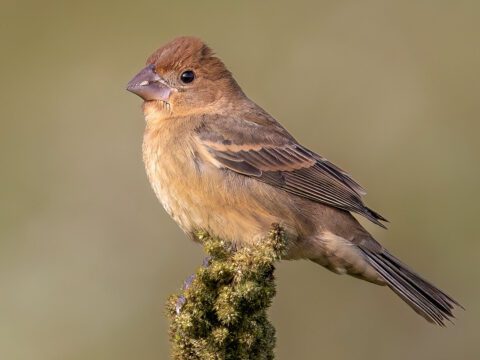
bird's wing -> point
(267, 152)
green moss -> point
(221, 313)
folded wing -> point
(269, 154)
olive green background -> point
(388, 90)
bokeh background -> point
(386, 89)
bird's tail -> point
(423, 297)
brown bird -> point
(218, 162)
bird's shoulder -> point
(248, 127)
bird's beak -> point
(149, 85)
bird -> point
(220, 163)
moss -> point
(221, 312)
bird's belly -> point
(234, 208)
(173, 195)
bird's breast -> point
(171, 170)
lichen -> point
(221, 312)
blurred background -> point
(388, 90)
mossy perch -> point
(221, 312)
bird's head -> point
(183, 76)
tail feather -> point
(423, 297)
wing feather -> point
(269, 154)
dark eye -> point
(187, 76)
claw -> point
(206, 261)
(179, 304)
(181, 299)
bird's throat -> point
(156, 111)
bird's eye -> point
(187, 76)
